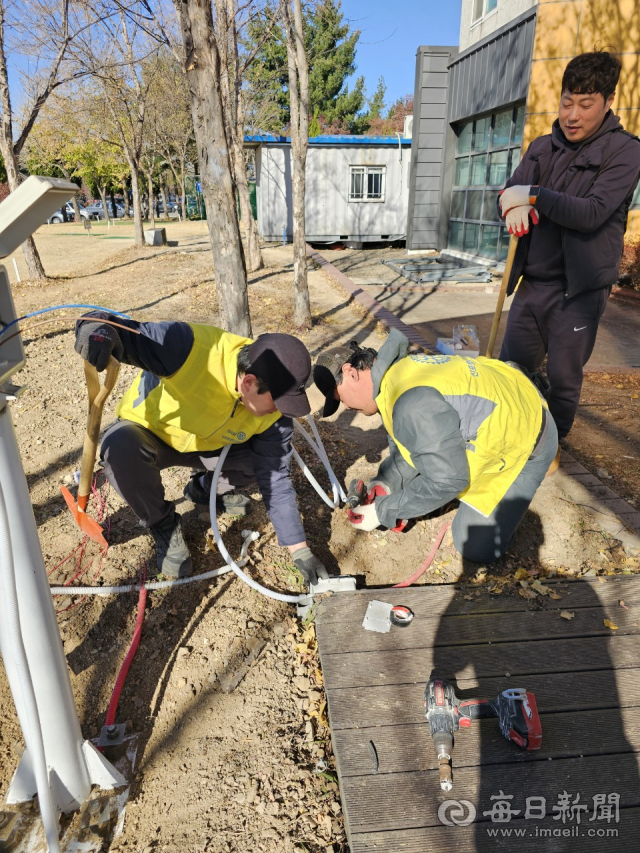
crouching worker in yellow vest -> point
(472, 429)
(199, 389)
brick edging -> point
(625, 295)
(616, 516)
(373, 306)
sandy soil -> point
(225, 693)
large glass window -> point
(488, 150)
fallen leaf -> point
(554, 595)
(567, 614)
(609, 624)
(541, 588)
(622, 604)
(521, 574)
(527, 593)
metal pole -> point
(61, 733)
(74, 764)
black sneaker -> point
(198, 491)
(172, 555)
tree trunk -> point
(165, 206)
(125, 196)
(203, 75)
(102, 191)
(74, 200)
(183, 203)
(152, 206)
(137, 208)
(299, 100)
(255, 260)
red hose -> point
(126, 663)
(424, 566)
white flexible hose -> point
(248, 536)
(318, 447)
(334, 502)
(279, 596)
(33, 736)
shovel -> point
(513, 244)
(97, 397)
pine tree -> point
(331, 50)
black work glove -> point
(309, 566)
(96, 342)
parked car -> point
(57, 217)
(172, 207)
(96, 210)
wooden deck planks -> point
(586, 678)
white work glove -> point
(364, 518)
(514, 197)
(517, 219)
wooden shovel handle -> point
(97, 397)
(513, 244)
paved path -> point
(434, 311)
(425, 317)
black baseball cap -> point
(284, 364)
(326, 371)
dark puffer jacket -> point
(591, 211)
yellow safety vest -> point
(504, 440)
(197, 408)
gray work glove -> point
(309, 566)
(96, 342)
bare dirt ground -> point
(225, 692)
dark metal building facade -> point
(452, 90)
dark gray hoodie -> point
(586, 190)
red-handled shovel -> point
(97, 397)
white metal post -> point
(72, 765)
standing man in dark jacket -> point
(567, 202)
(201, 388)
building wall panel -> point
(428, 154)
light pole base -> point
(101, 773)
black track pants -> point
(543, 321)
(133, 458)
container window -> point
(366, 183)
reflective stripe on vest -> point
(500, 416)
(198, 407)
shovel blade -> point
(88, 525)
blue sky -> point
(391, 34)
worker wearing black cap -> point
(201, 388)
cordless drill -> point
(358, 495)
(515, 708)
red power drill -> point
(515, 708)
(358, 496)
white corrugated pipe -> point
(279, 596)
(35, 743)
